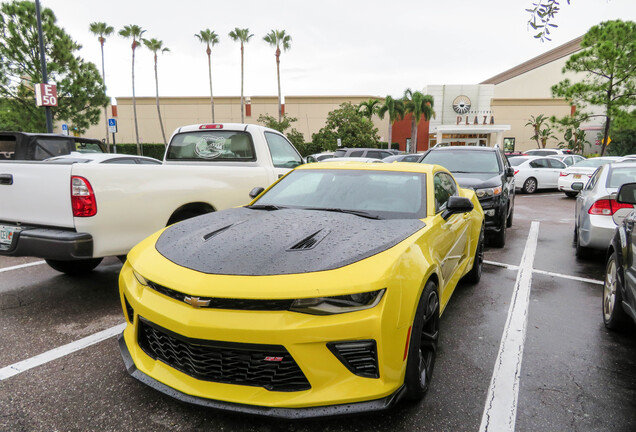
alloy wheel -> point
(609, 291)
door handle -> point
(6, 179)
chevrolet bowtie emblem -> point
(196, 302)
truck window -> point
(212, 146)
(50, 147)
(7, 147)
(284, 155)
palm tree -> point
(102, 30)
(395, 109)
(370, 107)
(535, 123)
(134, 32)
(278, 38)
(156, 46)
(242, 35)
(209, 38)
(418, 105)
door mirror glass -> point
(256, 192)
(627, 194)
(577, 186)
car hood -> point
(477, 180)
(248, 242)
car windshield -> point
(517, 160)
(619, 176)
(592, 163)
(464, 161)
(382, 194)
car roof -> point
(353, 159)
(464, 148)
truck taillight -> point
(211, 126)
(82, 198)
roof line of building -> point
(545, 58)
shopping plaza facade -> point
(493, 112)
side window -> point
(7, 148)
(376, 154)
(568, 160)
(120, 161)
(592, 182)
(556, 164)
(444, 187)
(356, 153)
(539, 163)
(284, 155)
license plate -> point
(577, 176)
(6, 234)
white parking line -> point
(500, 412)
(55, 353)
(6, 269)
(548, 273)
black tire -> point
(498, 238)
(74, 267)
(581, 251)
(510, 216)
(530, 185)
(572, 194)
(423, 344)
(474, 275)
(614, 317)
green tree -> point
(209, 38)
(623, 134)
(156, 46)
(573, 135)
(135, 33)
(607, 61)
(80, 88)
(395, 109)
(369, 107)
(542, 14)
(350, 126)
(418, 105)
(278, 38)
(282, 126)
(536, 123)
(101, 30)
(243, 36)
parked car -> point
(536, 172)
(317, 157)
(619, 289)
(487, 171)
(103, 158)
(365, 152)
(569, 159)
(410, 157)
(581, 172)
(597, 213)
(354, 159)
(546, 152)
(17, 146)
(323, 296)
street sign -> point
(112, 125)
(65, 129)
(45, 95)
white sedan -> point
(536, 172)
(581, 172)
(103, 158)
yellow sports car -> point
(321, 297)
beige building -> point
(507, 100)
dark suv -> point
(487, 171)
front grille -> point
(268, 366)
(129, 311)
(360, 357)
(227, 303)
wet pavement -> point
(575, 375)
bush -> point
(151, 149)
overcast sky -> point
(343, 47)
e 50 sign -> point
(45, 95)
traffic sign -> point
(112, 125)
(45, 95)
(65, 129)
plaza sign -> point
(470, 120)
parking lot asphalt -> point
(573, 374)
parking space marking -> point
(6, 269)
(55, 353)
(548, 195)
(500, 412)
(547, 273)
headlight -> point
(488, 192)
(142, 280)
(337, 304)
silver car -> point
(597, 213)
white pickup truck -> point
(74, 214)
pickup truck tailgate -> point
(36, 193)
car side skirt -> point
(285, 413)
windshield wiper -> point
(264, 207)
(347, 211)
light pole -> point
(47, 109)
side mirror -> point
(510, 172)
(256, 192)
(627, 194)
(457, 204)
(577, 186)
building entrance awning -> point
(470, 129)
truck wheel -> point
(74, 267)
